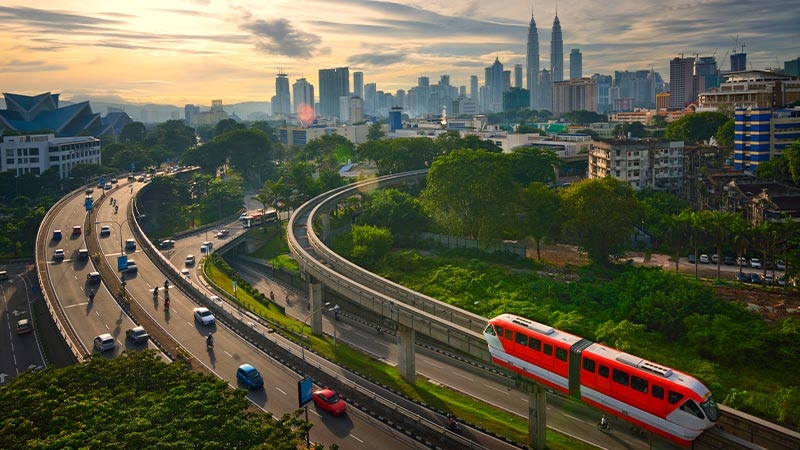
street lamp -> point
(118, 224)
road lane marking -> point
(434, 365)
(504, 391)
(354, 437)
(464, 376)
(280, 390)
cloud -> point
(280, 37)
(18, 66)
(377, 59)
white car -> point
(104, 342)
(58, 255)
(105, 230)
(204, 316)
(704, 258)
(755, 263)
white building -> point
(642, 163)
(37, 153)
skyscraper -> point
(358, 84)
(556, 52)
(575, 64)
(532, 63)
(473, 87)
(303, 93)
(281, 103)
(681, 82)
(333, 83)
(495, 82)
(518, 76)
(706, 74)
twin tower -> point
(540, 83)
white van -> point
(190, 260)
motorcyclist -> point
(452, 425)
(116, 208)
(91, 295)
(210, 340)
(155, 292)
(604, 422)
(166, 284)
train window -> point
(588, 365)
(548, 349)
(561, 354)
(535, 344)
(691, 407)
(603, 371)
(509, 334)
(489, 330)
(674, 397)
(499, 331)
(521, 339)
(621, 377)
(658, 392)
(640, 384)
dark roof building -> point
(26, 114)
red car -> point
(329, 401)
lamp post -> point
(118, 224)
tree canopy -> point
(136, 401)
(695, 128)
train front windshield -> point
(711, 409)
(489, 330)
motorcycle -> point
(91, 296)
(210, 341)
(166, 304)
(452, 425)
(604, 426)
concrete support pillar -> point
(537, 412)
(315, 300)
(405, 353)
(326, 227)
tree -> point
(266, 128)
(599, 216)
(695, 128)
(393, 209)
(725, 134)
(133, 133)
(676, 231)
(776, 168)
(529, 164)
(452, 140)
(658, 121)
(366, 245)
(226, 126)
(136, 401)
(538, 209)
(792, 155)
(718, 229)
(470, 193)
(375, 132)
(525, 128)
(248, 151)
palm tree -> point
(676, 231)
(717, 225)
(742, 234)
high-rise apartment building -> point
(473, 87)
(370, 98)
(603, 83)
(557, 52)
(545, 97)
(762, 134)
(706, 73)
(792, 67)
(281, 102)
(358, 84)
(495, 82)
(738, 62)
(518, 76)
(575, 64)
(303, 93)
(579, 94)
(532, 64)
(333, 84)
(681, 83)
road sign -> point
(122, 262)
(304, 389)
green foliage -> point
(132, 133)
(776, 168)
(329, 151)
(375, 132)
(725, 134)
(792, 155)
(395, 210)
(399, 155)
(622, 336)
(470, 193)
(135, 401)
(525, 128)
(599, 216)
(365, 245)
(636, 129)
(538, 214)
(529, 164)
(695, 128)
(584, 117)
(452, 140)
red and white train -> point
(662, 400)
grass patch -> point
(463, 406)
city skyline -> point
(192, 51)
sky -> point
(192, 51)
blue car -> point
(248, 376)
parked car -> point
(729, 260)
(329, 401)
(742, 261)
(691, 259)
(780, 265)
(755, 278)
(137, 335)
(742, 276)
(24, 326)
(105, 230)
(104, 342)
(248, 376)
(204, 316)
(714, 258)
(769, 280)
(755, 263)
(130, 244)
(704, 259)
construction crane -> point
(739, 43)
